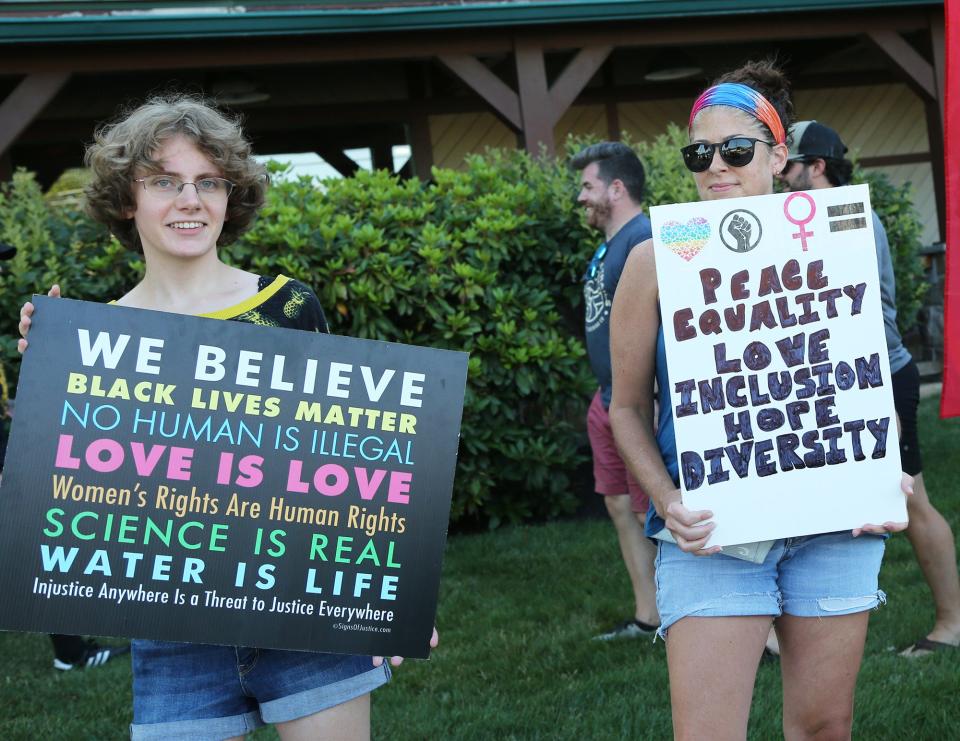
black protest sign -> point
(189, 479)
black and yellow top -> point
(280, 302)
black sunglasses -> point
(736, 152)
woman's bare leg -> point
(820, 658)
(713, 665)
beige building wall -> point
(580, 120)
(874, 121)
(881, 120)
(453, 137)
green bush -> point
(894, 206)
(484, 260)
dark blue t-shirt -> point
(666, 440)
(600, 282)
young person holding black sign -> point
(175, 178)
(716, 610)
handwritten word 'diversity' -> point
(249, 368)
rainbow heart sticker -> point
(687, 239)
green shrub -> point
(484, 260)
(894, 206)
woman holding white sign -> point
(716, 611)
(174, 179)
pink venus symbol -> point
(800, 222)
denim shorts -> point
(809, 576)
(194, 691)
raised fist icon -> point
(741, 230)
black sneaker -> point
(93, 655)
(627, 629)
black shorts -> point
(906, 397)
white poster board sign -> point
(780, 383)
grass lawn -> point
(517, 609)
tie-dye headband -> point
(744, 98)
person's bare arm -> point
(634, 322)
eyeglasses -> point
(168, 186)
(736, 152)
(595, 261)
(798, 161)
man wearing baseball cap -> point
(816, 160)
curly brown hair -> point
(127, 147)
(766, 77)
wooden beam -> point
(938, 41)
(26, 101)
(487, 85)
(907, 59)
(536, 108)
(418, 123)
(382, 156)
(892, 160)
(339, 161)
(610, 105)
(935, 136)
(421, 146)
(575, 77)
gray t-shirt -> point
(898, 354)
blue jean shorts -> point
(193, 691)
(809, 576)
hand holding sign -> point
(26, 317)
(691, 530)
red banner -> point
(950, 400)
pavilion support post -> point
(542, 105)
(421, 146)
(935, 118)
(938, 42)
(534, 109)
(536, 106)
(935, 136)
(418, 123)
(382, 156)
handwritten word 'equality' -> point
(763, 313)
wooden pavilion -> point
(451, 77)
